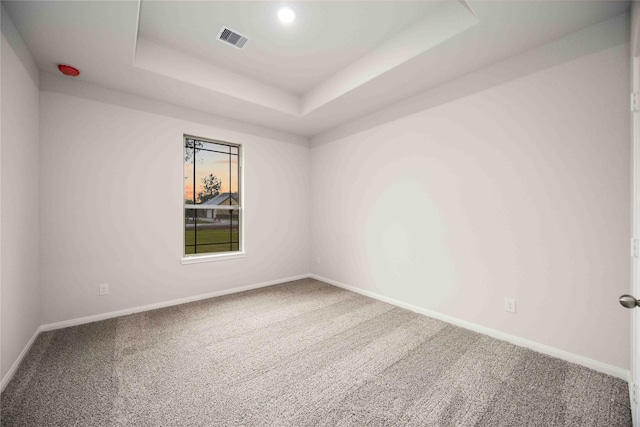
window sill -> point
(211, 258)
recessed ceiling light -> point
(286, 15)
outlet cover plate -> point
(510, 305)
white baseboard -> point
(541, 348)
(614, 371)
(132, 310)
(103, 316)
(23, 353)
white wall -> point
(20, 198)
(112, 209)
(521, 190)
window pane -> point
(189, 194)
(234, 174)
(235, 227)
(189, 230)
(212, 177)
(216, 231)
(210, 146)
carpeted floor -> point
(302, 353)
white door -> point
(630, 300)
(635, 286)
(635, 210)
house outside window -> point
(212, 198)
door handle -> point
(628, 301)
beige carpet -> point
(302, 353)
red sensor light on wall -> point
(68, 70)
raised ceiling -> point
(337, 62)
(324, 39)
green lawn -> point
(208, 238)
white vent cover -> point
(227, 35)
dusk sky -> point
(211, 163)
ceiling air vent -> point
(230, 36)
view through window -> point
(211, 197)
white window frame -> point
(215, 256)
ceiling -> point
(336, 62)
(326, 36)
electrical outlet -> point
(510, 305)
(104, 289)
(318, 261)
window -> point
(212, 199)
